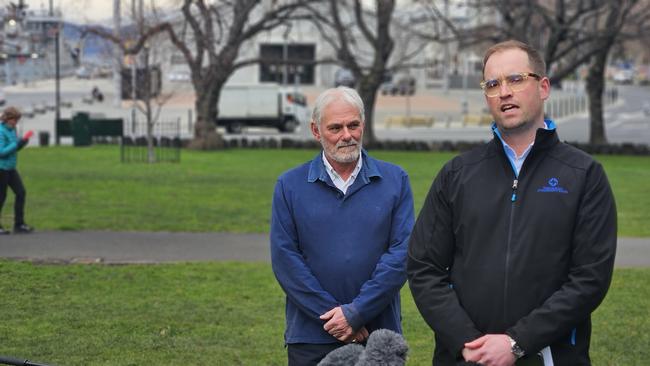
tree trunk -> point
(151, 154)
(368, 96)
(206, 136)
(595, 88)
(368, 86)
(596, 74)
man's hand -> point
(490, 350)
(471, 355)
(360, 336)
(28, 135)
(337, 325)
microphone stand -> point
(16, 362)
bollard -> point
(44, 138)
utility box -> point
(81, 130)
(44, 138)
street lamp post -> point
(464, 104)
(285, 56)
(117, 56)
(57, 86)
(445, 73)
(57, 68)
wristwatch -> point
(515, 349)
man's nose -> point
(504, 89)
(346, 134)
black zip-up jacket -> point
(529, 256)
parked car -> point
(103, 71)
(179, 73)
(3, 101)
(403, 86)
(83, 72)
(625, 76)
(344, 77)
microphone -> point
(343, 356)
(384, 348)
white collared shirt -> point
(341, 184)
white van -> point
(261, 105)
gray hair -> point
(330, 95)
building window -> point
(299, 60)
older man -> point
(339, 232)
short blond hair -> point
(535, 59)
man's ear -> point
(314, 130)
(544, 88)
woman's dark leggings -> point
(11, 178)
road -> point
(26, 101)
(625, 120)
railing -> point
(165, 140)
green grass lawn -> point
(220, 314)
(88, 188)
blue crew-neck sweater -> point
(332, 249)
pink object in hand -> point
(28, 134)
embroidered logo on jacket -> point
(553, 186)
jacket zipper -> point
(514, 190)
(513, 198)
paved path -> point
(134, 247)
(155, 247)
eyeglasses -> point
(516, 82)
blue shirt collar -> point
(518, 162)
(550, 125)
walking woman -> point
(9, 177)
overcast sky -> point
(84, 11)
(76, 10)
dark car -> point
(403, 86)
(344, 77)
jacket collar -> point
(544, 138)
(317, 169)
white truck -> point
(265, 105)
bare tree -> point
(217, 31)
(569, 33)
(151, 101)
(145, 32)
(210, 36)
(361, 39)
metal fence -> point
(166, 142)
(575, 100)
